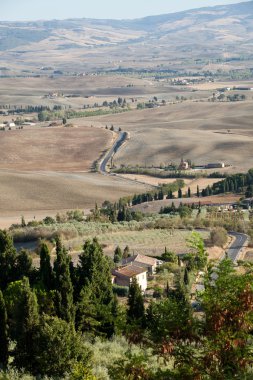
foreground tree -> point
(136, 310)
(63, 284)
(4, 341)
(27, 325)
(46, 273)
(228, 306)
(58, 348)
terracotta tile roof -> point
(129, 271)
(141, 259)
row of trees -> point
(236, 183)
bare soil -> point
(52, 148)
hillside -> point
(220, 33)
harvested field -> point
(38, 191)
(202, 183)
(150, 180)
(204, 132)
(53, 148)
(154, 181)
(155, 206)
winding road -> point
(238, 244)
(123, 136)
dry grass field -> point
(53, 148)
(54, 191)
(193, 130)
(45, 170)
(192, 183)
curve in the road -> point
(236, 247)
(122, 138)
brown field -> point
(38, 191)
(53, 149)
(193, 130)
(44, 170)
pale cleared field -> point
(192, 183)
(149, 180)
(196, 131)
(38, 191)
(53, 149)
(217, 85)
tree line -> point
(236, 183)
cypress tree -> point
(126, 252)
(8, 257)
(4, 341)
(117, 255)
(136, 310)
(28, 323)
(95, 289)
(93, 269)
(46, 274)
(63, 283)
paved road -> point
(235, 249)
(118, 143)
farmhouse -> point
(143, 261)
(124, 276)
(215, 165)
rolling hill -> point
(223, 33)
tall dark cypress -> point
(46, 273)
(4, 341)
(27, 326)
(63, 283)
(136, 310)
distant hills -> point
(224, 32)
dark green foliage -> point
(27, 324)
(228, 307)
(4, 341)
(45, 271)
(57, 348)
(126, 252)
(23, 265)
(234, 183)
(8, 257)
(95, 289)
(121, 291)
(136, 310)
(63, 284)
(94, 269)
(186, 277)
(117, 255)
(183, 210)
(168, 256)
(168, 320)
